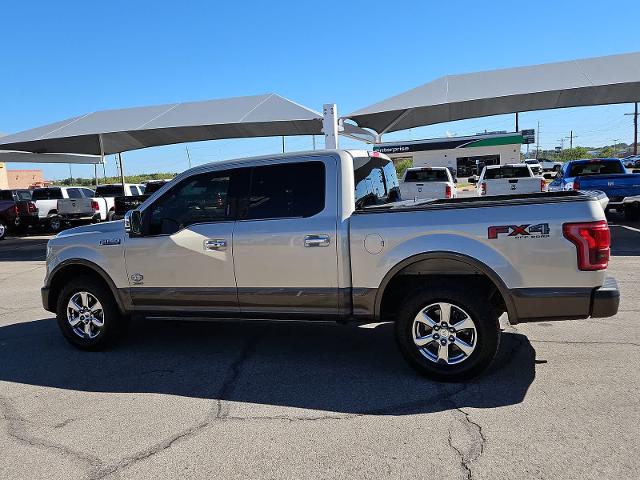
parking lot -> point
(295, 400)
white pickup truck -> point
(109, 192)
(47, 201)
(323, 235)
(510, 179)
(427, 182)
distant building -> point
(460, 154)
(21, 178)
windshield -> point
(426, 175)
(595, 167)
(153, 187)
(506, 172)
(109, 191)
(47, 194)
(532, 161)
(376, 181)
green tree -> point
(575, 153)
(607, 152)
(402, 165)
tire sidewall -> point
(112, 316)
(55, 220)
(483, 316)
(3, 230)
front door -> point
(183, 261)
(285, 241)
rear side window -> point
(506, 172)
(74, 193)
(6, 195)
(595, 167)
(286, 190)
(426, 175)
(109, 191)
(88, 193)
(376, 181)
(47, 194)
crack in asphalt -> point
(16, 430)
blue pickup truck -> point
(605, 174)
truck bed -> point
(491, 201)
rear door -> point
(284, 244)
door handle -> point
(316, 241)
(215, 244)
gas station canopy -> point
(594, 81)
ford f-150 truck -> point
(324, 235)
(607, 175)
(510, 179)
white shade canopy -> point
(113, 131)
(594, 81)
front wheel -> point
(54, 223)
(3, 230)
(632, 211)
(88, 315)
(448, 333)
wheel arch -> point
(438, 264)
(77, 266)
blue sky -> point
(64, 58)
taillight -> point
(576, 184)
(542, 184)
(592, 241)
(31, 207)
(483, 188)
(447, 191)
(16, 211)
(94, 206)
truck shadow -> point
(317, 366)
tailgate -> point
(75, 206)
(616, 186)
(512, 186)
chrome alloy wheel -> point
(3, 229)
(444, 333)
(85, 315)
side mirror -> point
(133, 223)
(472, 180)
(455, 180)
(548, 176)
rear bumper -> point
(540, 304)
(80, 217)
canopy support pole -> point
(330, 125)
(635, 130)
(517, 123)
(95, 172)
(104, 170)
(121, 171)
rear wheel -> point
(3, 230)
(448, 333)
(55, 223)
(88, 315)
(632, 211)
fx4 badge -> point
(540, 230)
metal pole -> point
(70, 176)
(538, 141)
(121, 171)
(314, 140)
(517, 126)
(571, 139)
(635, 130)
(188, 155)
(283, 144)
(330, 126)
(95, 172)
(104, 168)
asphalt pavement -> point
(293, 400)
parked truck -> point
(27, 212)
(510, 179)
(427, 182)
(606, 175)
(322, 235)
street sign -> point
(528, 136)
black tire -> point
(473, 302)
(3, 230)
(54, 223)
(114, 326)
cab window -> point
(197, 199)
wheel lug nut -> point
(452, 338)
(436, 336)
(444, 324)
(436, 328)
(443, 342)
(452, 330)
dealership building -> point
(461, 154)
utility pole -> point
(570, 138)
(635, 128)
(561, 140)
(188, 155)
(615, 145)
(313, 137)
(283, 144)
(538, 141)
(70, 176)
